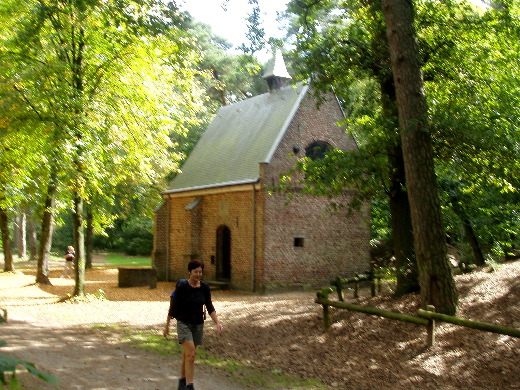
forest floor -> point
(92, 345)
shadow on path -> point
(87, 359)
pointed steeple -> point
(276, 73)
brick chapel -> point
(219, 210)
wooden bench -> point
(137, 277)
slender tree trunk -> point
(20, 233)
(402, 231)
(44, 249)
(435, 277)
(458, 209)
(32, 240)
(473, 242)
(219, 87)
(16, 234)
(78, 215)
(6, 241)
(79, 246)
(89, 239)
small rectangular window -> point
(298, 241)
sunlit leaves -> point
(105, 83)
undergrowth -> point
(87, 298)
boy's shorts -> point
(190, 332)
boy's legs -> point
(68, 268)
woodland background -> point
(101, 101)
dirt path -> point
(60, 340)
(271, 334)
(83, 360)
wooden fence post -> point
(339, 289)
(373, 285)
(430, 328)
(326, 316)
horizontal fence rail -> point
(425, 318)
(469, 323)
(373, 311)
(373, 277)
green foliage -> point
(228, 77)
(470, 65)
(140, 246)
(132, 235)
(8, 365)
(138, 236)
(474, 103)
(62, 234)
(91, 91)
(380, 221)
(255, 33)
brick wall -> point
(231, 209)
(159, 253)
(334, 244)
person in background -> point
(69, 259)
(186, 306)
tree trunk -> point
(78, 215)
(20, 232)
(402, 232)
(31, 236)
(219, 87)
(473, 241)
(16, 234)
(89, 239)
(44, 249)
(79, 246)
(435, 278)
(6, 241)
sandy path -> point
(60, 340)
(81, 359)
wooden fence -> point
(370, 276)
(425, 318)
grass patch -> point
(244, 373)
(109, 260)
(120, 260)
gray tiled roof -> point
(240, 137)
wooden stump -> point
(137, 277)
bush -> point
(140, 246)
(132, 236)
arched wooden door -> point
(223, 253)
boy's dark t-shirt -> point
(186, 302)
(68, 258)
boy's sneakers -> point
(182, 384)
(190, 387)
